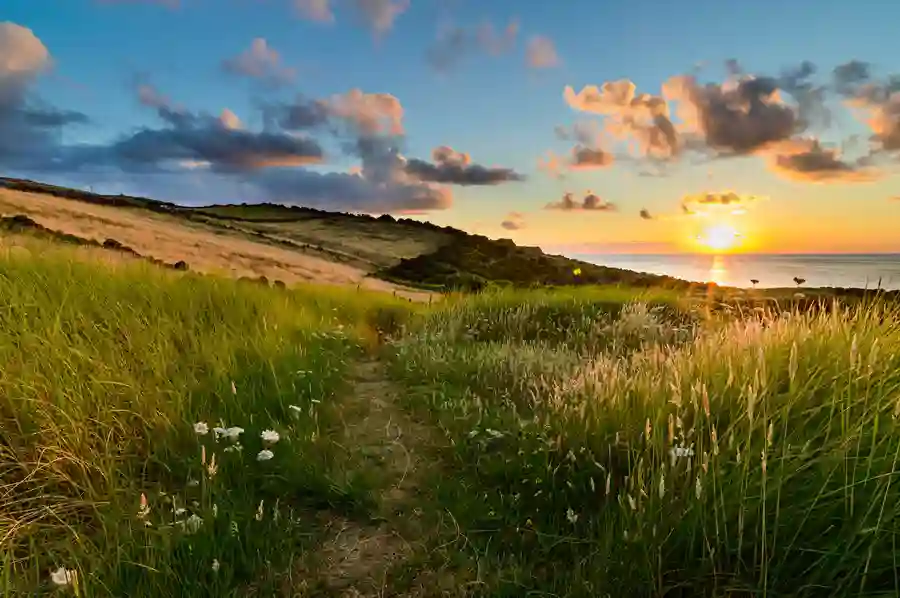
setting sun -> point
(719, 237)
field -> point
(173, 432)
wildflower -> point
(662, 485)
(572, 516)
(234, 447)
(180, 511)
(215, 565)
(192, 524)
(215, 510)
(231, 434)
(297, 410)
(705, 462)
(259, 511)
(233, 388)
(631, 503)
(144, 508)
(201, 429)
(679, 452)
(264, 455)
(698, 487)
(63, 576)
(269, 436)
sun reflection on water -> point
(718, 272)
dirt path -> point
(359, 559)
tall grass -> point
(754, 456)
(103, 373)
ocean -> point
(771, 270)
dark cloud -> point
(808, 161)
(513, 221)
(345, 191)
(645, 214)
(584, 158)
(455, 44)
(29, 129)
(590, 202)
(260, 62)
(299, 115)
(456, 168)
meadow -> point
(167, 433)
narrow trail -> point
(358, 558)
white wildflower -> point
(233, 388)
(259, 511)
(270, 436)
(572, 516)
(201, 429)
(234, 447)
(264, 455)
(192, 524)
(63, 576)
(698, 487)
(215, 565)
(678, 452)
(631, 503)
(180, 511)
(662, 485)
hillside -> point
(296, 244)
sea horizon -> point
(771, 270)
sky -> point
(578, 126)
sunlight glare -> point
(719, 237)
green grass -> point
(590, 441)
(105, 371)
(558, 478)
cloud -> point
(808, 161)
(513, 221)
(744, 115)
(541, 53)
(703, 204)
(29, 128)
(879, 102)
(260, 62)
(642, 118)
(315, 10)
(586, 158)
(455, 44)
(456, 168)
(645, 214)
(590, 202)
(379, 15)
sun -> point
(719, 237)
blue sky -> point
(496, 108)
